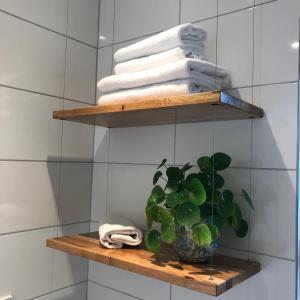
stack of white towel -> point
(169, 63)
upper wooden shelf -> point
(201, 107)
(226, 273)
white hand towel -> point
(188, 68)
(155, 60)
(186, 35)
(171, 88)
(114, 233)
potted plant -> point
(193, 209)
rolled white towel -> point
(114, 233)
(185, 35)
(171, 88)
(188, 68)
(155, 60)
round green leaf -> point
(227, 195)
(161, 215)
(187, 214)
(173, 199)
(219, 222)
(214, 231)
(183, 196)
(226, 206)
(204, 164)
(172, 185)
(168, 231)
(202, 235)
(158, 193)
(162, 163)
(156, 176)
(174, 173)
(242, 229)
(150, 214)
(218, 181)
(151, 201)
(152, 241)
(197, 192)
(220, 161)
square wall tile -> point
(27, 264)
(274, 218)
(275, 281)
(105, 62)
(195, 10)
(101, 144)
(275, 135)
(80, 72)
(48, 13)
(78, 139)
(69, 269)
(151, 17)
(149, 144)
(28, 130)
(76, 292)
(210, 45)
(28, 195)
(34, 57)
(128, 190)
(106, 22)
(98, 292)
(83, 20)
(130, 283)
(228, 6)
(235, 46)
(99, 191)
(275, 34)
(75, 192)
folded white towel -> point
(155, 60)
(188, 68)
(186, 35)
(114, 233)
(171, 88)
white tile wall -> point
(98, 292)
(48, 13)
(19, 113)
(80, 72)
(135, 18)
(106, 23)
(78, 139)
(32, 58)
(24, 204)
(75, 192)
(130, 283)
(83, 20)
(233, 5)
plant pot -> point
(189, 251)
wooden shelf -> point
(226, 273)
(200, 107)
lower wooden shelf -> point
(226, 273)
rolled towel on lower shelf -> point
(115, 232)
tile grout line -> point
(47, 28)
(115, 290)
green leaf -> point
(197, 193)
(226, 206)
(236, 219)
(187, 214)
(152, 241)
(158, 193)
(183, 196)
(173, 199)
(168, 231)
(247, 198)
(202, 235)
(150, 213)
(162, 163)
(186, 167)
(174, 173)
(156, 176)
(220, 161)
(204, 164)
(172, 185)
(242, 230)
(151, 201)
(219, 222)
(218, 181)
(214, 231)
(161, 215)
